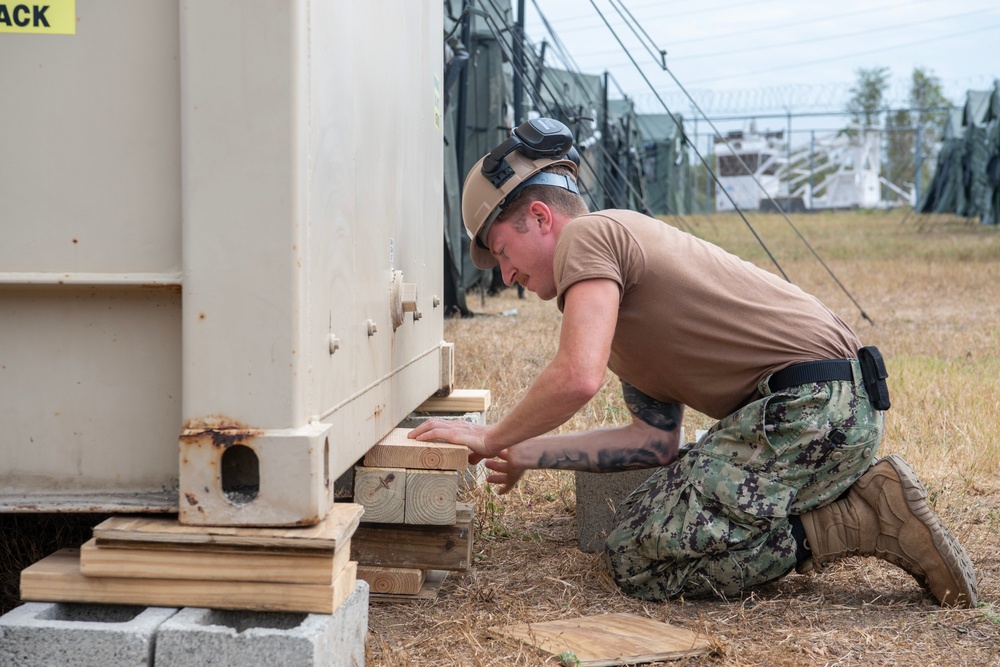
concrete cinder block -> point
(599, 494)
(55, 634)
(197, 637)
(597, 497)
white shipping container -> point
(220, 252)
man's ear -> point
(541, 214)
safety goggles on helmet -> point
(513, 165)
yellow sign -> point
(55, 17)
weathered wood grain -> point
(302, 567)
(392, 580)
(58, 579)
(430, 497)
(460, 400)
(382, 492)
(335, 528)
(398, 451)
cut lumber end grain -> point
(392, 580)
(430, 497)
(429, 591)
(396, 450)
(382, 492)
(460, 400)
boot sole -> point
(951, 551)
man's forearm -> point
(605, 450)
(552, 399)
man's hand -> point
(505, 471)
(456, 432)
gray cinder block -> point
(599, 494)
(597, 497)
(55, 634)
(197, 637)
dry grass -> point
(934, 292)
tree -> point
(899, 163)
(866, 103)
(932, 110)
(931, 104)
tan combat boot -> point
(885, 514)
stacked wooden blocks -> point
(413, 530)
(155, 561)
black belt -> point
(827, 370)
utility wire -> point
(693, 147)
(826, 38)
(771, 28)
(847, 56)
(712, 171)
(497, 32)
(539, 101)
(674, 15)
(574, 69)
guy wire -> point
(630, 21)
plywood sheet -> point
(300, 567)
(336, 528)
(57, 578)
(609, 639)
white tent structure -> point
(838, 170)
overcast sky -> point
(743, 56)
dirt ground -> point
(860, 612)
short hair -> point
(560, 199)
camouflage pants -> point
(716, 520)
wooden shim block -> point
(447, 382)
(392, 580)
(336, 527)
(421, 547)
(609, 639)
(302, 567)
(460, 400)
(58, 579)
(398, 451)
(429, 591)
(382, 492)
(430, 497)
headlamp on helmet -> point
(536, 138)
(513, 165)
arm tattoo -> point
(612, 459)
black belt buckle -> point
(874, 374)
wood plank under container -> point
(57, 578)
(396, 450)
(460, 400)
(300, 567)
(335, 528)
(414, 546)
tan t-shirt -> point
(696, 324)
